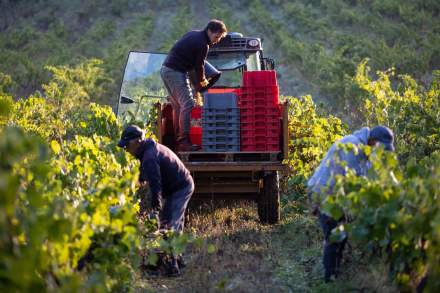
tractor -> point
(240, 173)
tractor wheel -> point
(269, 199)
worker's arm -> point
(200, 67)
(150, 171)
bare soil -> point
(251, 257)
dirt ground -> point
(251, 257)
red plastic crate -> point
(262, 120)
(260, 147)
(259, 90)
(248, 148)
(260, 78)
(255, 102)
(246, 140)
(259, 120)
(266, 137)
(259, 128)
(268, 147)
(246, 132)
(260, 111)
(251, 123)
(264, 95)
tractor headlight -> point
(253, 43)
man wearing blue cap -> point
(171, 184)
(323, 180)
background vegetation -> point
(317, 44)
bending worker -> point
(171, 184)
(189, 53)
(323, 180)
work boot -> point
(174, 270)
(168, 266)
(181, 261)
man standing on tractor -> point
(188, 54)
(336, 162)
(171, 184)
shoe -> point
(168, 266)
(174, 270)
(181, 261)
(330, 278)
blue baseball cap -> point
(130, 132)
(384, 135)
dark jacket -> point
(163, 170)
(190, 53)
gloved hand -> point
(156, 203)
(204, 83)
(198, 99)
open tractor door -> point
(242, 128)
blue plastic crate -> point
(221, 119)
(221, 148)
(221, 132)
(213, 115)
(214, 125)
(230, 139)
(220, 100)
(225, 111)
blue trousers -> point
(332, 254)
(173, 212)
(181, 98)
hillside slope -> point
(317, 44)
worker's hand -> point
(156, 204)
(204, 83)
(144, 185)
(198, 99)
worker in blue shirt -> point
(336, 162)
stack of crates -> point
(220, 122)
(260, 112)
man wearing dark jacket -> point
(171, 184)
(188, 54)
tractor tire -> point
(269, 199)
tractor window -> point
(141, 86)
(232, 64)
(253, 62)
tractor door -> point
(141, 87)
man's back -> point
(162, 168)
(331, 166)
(188, 52)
